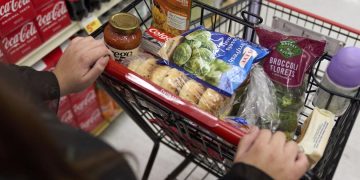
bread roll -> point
(174, 80)
(192, 91)
(135, 63)
(211, 101)
(145, 69)
(159, 74)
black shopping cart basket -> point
(200, 137)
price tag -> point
(90, 24)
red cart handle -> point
(342, 26)
(174, 103)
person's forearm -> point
(41, 84)
(241, 171)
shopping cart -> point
(200, 137)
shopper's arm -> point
(40, 84)
(241, 171)
(270, 153)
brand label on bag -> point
(158, 35)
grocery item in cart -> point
(342, 77)
(219, 59)
(316, 133)
(171, 16)
(286, 65)
(259, 107)
(122, 35)
(153, 40)
(179, 83)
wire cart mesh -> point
(202, 138)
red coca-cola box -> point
(68, 117)
(20, 42)
(51, 19)
(40, 3)
(90, 120)
(14, 13)
(64, 104)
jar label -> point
(119, 55)
(176, 21)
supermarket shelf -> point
(61, 37)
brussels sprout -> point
(219, 65)
(194, 44)
(196, 65)
(182, 54)
(203, 53)
(213, 77)
(208, 44)
(200, 35)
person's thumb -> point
(96, 70)
(246, 142)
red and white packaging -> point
(20, 42)
(153, 40)
(91, 120)
(51, 19)
(65, 113)
(40, 3)
(14, 13)
(86, 109)
(2, 59)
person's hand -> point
(272, 154)
(80, 65)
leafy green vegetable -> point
(219, 65)
(182, 54)
(213, 77)
(194, 44)
(200, 35)
(208, 44)
(288, 121)
(205, 54)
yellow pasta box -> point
(171, 16)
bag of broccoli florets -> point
(289, 59)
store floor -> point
(125, 135)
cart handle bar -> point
(174, 103)
(342, 26)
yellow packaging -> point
(171, 16)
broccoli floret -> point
(288, 121)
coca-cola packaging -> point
(77, 9)
(40, 3)
(14, 13)
(65, 113)
(20, 42)
(51, 19)
(153, 40)
(2, 60)
(86, 109)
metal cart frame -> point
(198, 136)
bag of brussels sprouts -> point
(224, 62)
(286, 65)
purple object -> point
(344, 68)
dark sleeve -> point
(241, 171)
(42, 83)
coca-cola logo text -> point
(58, 11)
(94, 117)
(26, 32)
(90, 98)
(67, 117)
(157, 34)
(12, 6)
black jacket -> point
(43, 87)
